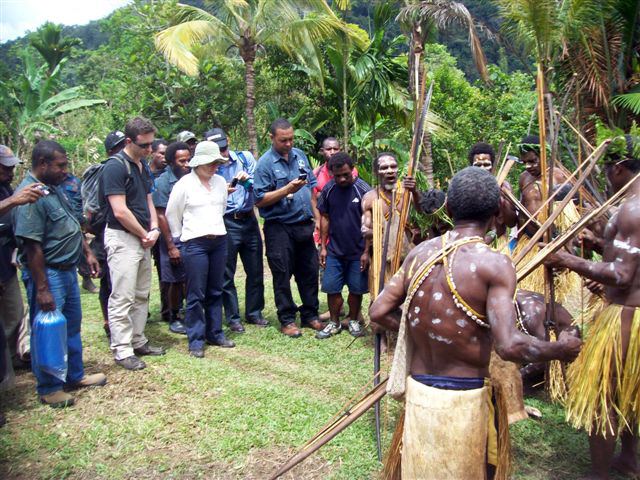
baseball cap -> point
(217, 135)
(185, 136)
(206, 152)
(7, 158)
(113, 139)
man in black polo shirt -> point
(344, 256)
(132, 230)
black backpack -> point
(94, 203)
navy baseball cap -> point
(217, 135)
(113, 140)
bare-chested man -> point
(459, 304)
(376, 207)
(604, 382)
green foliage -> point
(49, 43)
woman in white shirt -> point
(195, 214)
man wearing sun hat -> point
(195, 213)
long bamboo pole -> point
(562, 239)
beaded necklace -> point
(457, 299)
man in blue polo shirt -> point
(51, 243)
(283, 189)
(243, 236)
(344, 257)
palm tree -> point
(296, 27)
(49, 42)
(593, 41)
(422, 18)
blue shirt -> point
(164, 185)
(274, 172)
(343, 206)
(71, 187)
(49, 221)
(242, 200)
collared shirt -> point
(274, 172)
(343, 206)
(7, 240)
(193, 211)
(116, 181)
(164, 186)
(51, 222)
(242, 200)
(323, 176)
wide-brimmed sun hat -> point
(206, 152)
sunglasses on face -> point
(143, 146)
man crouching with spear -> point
(604, 382)
(459, 300)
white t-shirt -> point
(193, 211)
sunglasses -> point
(143, 146)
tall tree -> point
(296, 27)
(51, 45)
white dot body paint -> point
(415, 322)
(474, 339)
(461, 322)
(449, 311)
(421, 293)
(416, 310)
(473, 267)
(436, 321)
(612, 267)
(439, 338)
(437, 296)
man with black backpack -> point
(130, 233)
(95, 219)
(243, 236)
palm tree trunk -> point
(345, 106)
(249, 77)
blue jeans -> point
(63, 285)
(204, 262)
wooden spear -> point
(343, 421)
(561, 240)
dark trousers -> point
(204, 261)
(164, 286)
(291, 251)
(243, 238)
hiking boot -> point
(176, 326)
(147, 349)
(315, 324)
(88, 285)
(355, 329)
(331, 328)
(291, 330)
(197, 353)
(258, 321)
(236, 327)
(95, 380)
(222, 342)
(131, 363)
(58, 399)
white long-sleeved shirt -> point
(193, 211)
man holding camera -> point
(243, 235)
(283, 190)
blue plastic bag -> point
(49, 343)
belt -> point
(62, 267)
(240, 215)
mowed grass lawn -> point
(237, 414)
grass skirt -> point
(600, 381)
